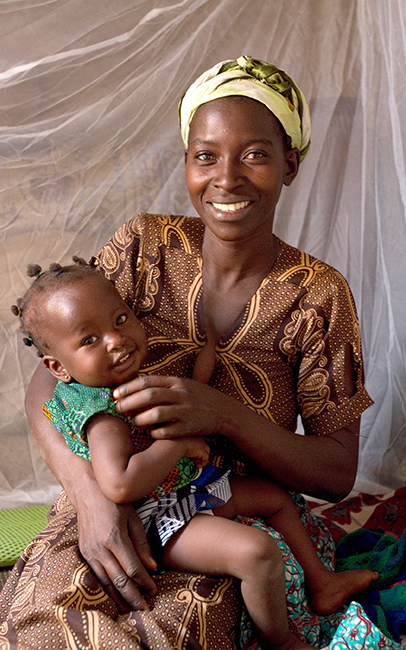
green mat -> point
(18, 526)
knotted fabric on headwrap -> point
(253, 78)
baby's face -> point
(94, 334)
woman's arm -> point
(111, 537)
(320, 466)
(324, 467)
(124, 476)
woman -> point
(244, 332)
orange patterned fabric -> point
(286, 353)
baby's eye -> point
(121, 319)
(89, 340)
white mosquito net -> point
(89, 137)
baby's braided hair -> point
(45, 282)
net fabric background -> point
(89, 137)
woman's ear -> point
(292, 165)
(56, 368)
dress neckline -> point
(251, 305)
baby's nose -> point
(115, 341)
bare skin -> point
(126, 477)
(203, 546)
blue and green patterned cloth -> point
(348, 629)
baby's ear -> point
(56, 368)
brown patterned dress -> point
(286, 355)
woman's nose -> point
(228, 175)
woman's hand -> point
(173, 407)
(112, 541)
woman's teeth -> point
(231, 207)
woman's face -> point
(236, 165)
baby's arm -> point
(124, 476)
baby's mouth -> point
(122, 359)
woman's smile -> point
(230, 207)
(229, 212)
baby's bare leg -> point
(219, 546)
(262, 498)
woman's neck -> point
(233, 262)
(231, 276)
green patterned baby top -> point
(74, 404)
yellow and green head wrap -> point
(253, 78)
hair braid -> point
(45, 282)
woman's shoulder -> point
(302, 269)
(170, 230)
(146, 236)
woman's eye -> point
(89, 340)
(121, 319)
(204, 156)
(255, 155)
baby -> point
(90, 340)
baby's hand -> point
(197, 449)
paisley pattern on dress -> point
(305, 337)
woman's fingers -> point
(139, 542)
(121, 577)
(112, 541)
(171, 406)
(119, 587)
(143, 384)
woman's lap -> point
(52, 600)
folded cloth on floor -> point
(385, 601)
(18, 526)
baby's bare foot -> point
(332, 593)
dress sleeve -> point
(328, 336)
(71, 407)
(122, 262)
